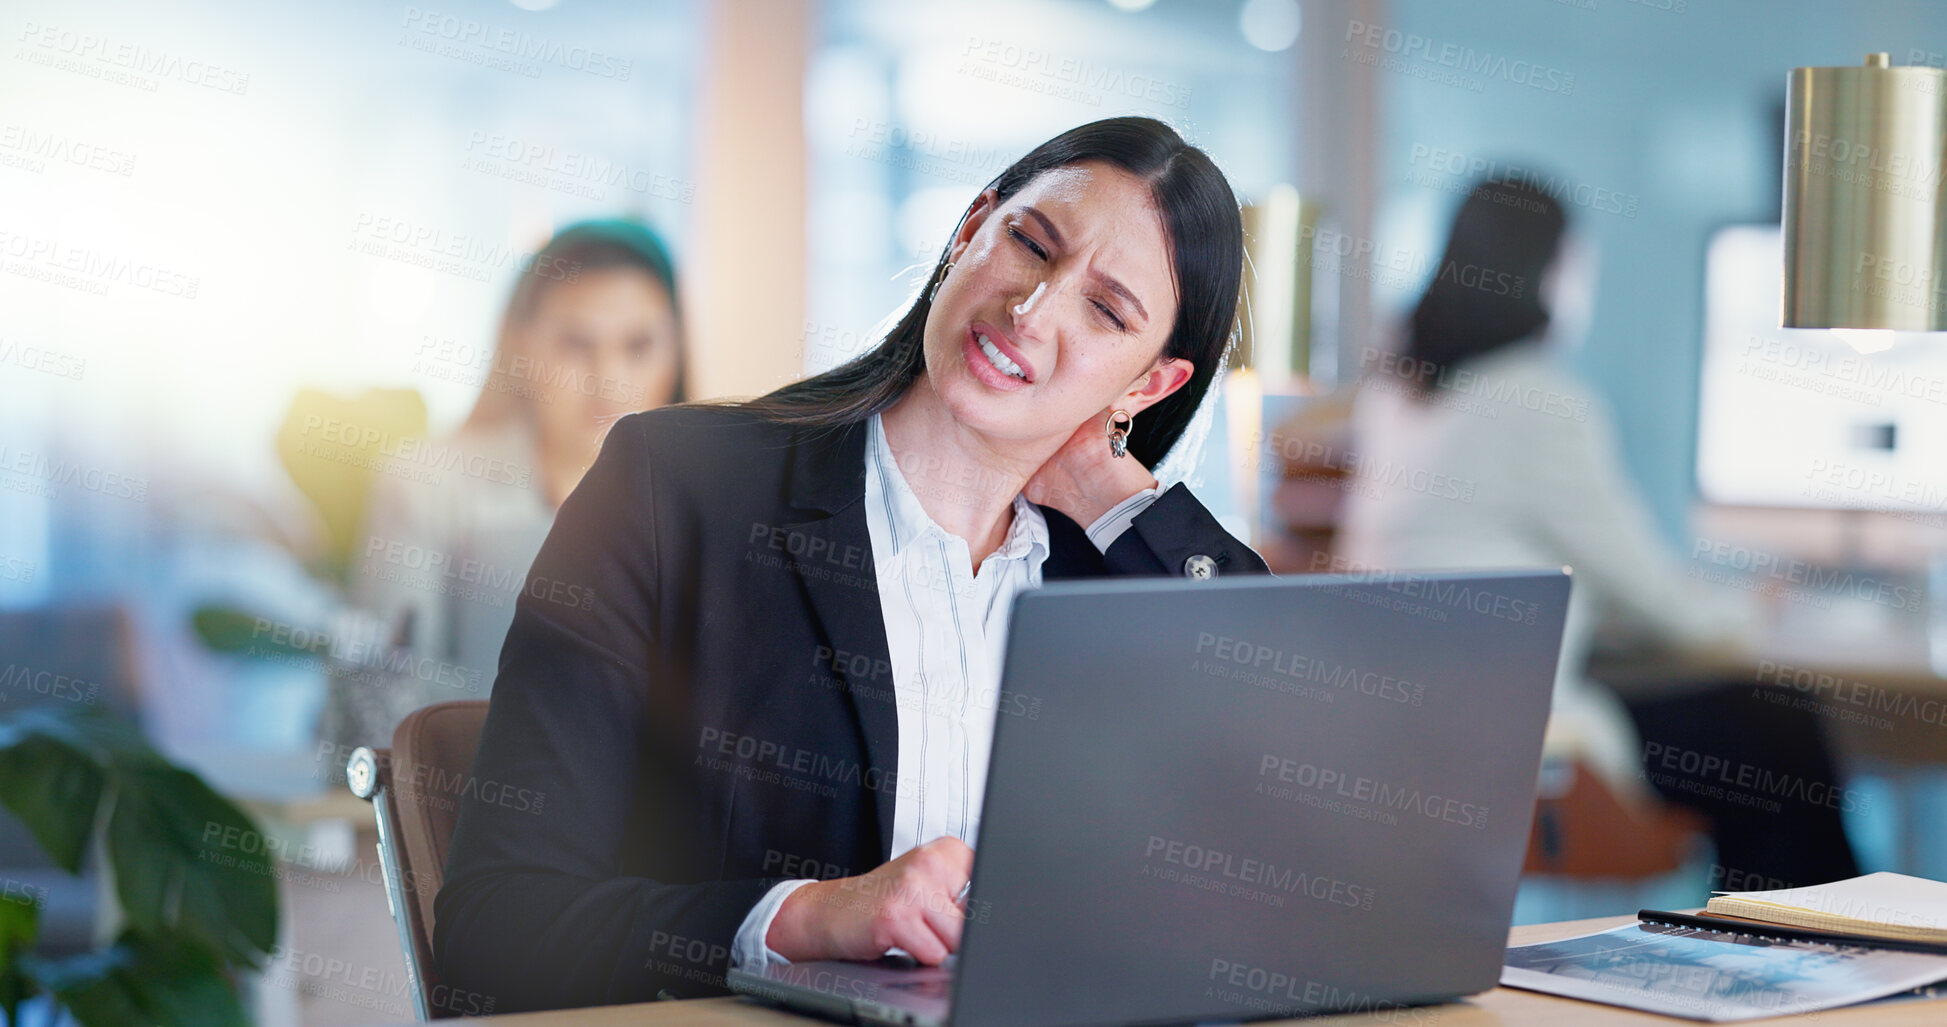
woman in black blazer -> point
(698, 701)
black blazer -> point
(695, 702)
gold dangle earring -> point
(1119, 433)
(934, 293)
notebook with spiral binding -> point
(1882, 905)
(1709, 968)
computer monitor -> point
(1812, 418)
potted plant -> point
(195, 901)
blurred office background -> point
(207, 211)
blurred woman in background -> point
(591, 332)
(1479, 395)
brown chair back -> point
(432, 755)
(1583, 830)
(415, 789)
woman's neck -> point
(961, 480)
(554, 469)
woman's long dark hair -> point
(1484, 294)
(1206, 238)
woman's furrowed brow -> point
(1123, 291)
(1114, 285)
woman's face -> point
(595, 348)
(1057, 308)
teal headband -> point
(632, 236)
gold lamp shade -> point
(1865, 240)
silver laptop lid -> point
(1254, 796)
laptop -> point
(1239, 798)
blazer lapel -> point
(1070, 553)
(840, 582)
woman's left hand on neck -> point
(1084, 480)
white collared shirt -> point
(946, 632)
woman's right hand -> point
(910, 903)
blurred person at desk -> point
(1533, 476)
(590, 333)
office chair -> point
(1584, 831)
(415, 789)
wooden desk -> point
(1502, 1007)
(1892, 709)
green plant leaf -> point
(102, 737)
(20, 924)
(191, 874)
(52, 784)
(143, 981)
(222, 628)
(226, 629)
(189, 864)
